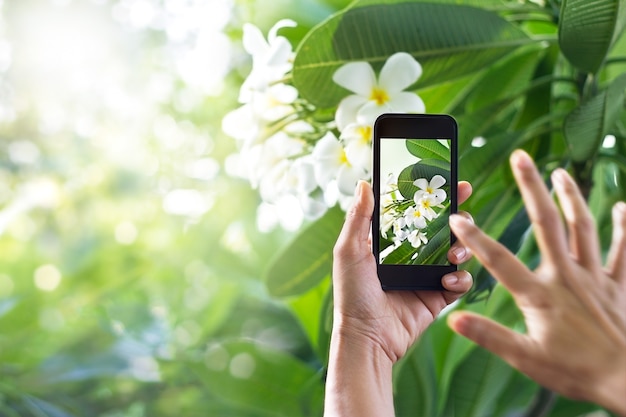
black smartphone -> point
(415, 191)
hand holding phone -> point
(415, 190)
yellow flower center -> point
(417, 213)
(380, 96)
(429, 190)
(425, 203)
(343, 158)
(365, 133)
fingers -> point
(583, 237)
(353, 241)
(456, 283)
(459, 253)
(541, 209)
(496, 258)
(616, 260)
(502, 341)
(464, 191)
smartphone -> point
(415, 191)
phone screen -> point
(415, 191)
(415, 199)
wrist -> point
(359, 380)
(610, 392)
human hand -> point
(574, 308)
(390, 320)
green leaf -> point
(436, 251)
(307, 260)
(415, 379)
(438, 233)
(449, 40)
(425, 149)
(40, 408)
(477, 383)
(253, 376)
(485, 4)
(586, 126)
(587, 29)
(311, 301)
(506, 78)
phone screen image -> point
(415, 191)
(415, 198)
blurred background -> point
(126, 251)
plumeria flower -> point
(376, 96)
(275, 102)
(331, 162)
(399, 233)
(271, 58)
(425, 206)
(417, 238)
(386, 222)
(416, 217)
(431, 190)
(269, 159)
(242, 124)
(358, 140)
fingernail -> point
(450, 280)
(459, 252)
(458, 220)
(359, 189)
(558, 177)
(620, 206)
(521, 159)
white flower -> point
(425, 206)
(242, 124)
(373, 97)
(331, 162)
(271, 58)
(431, 190)
(400, 234)
(358, 140)
(275, 102)
(415, 217)
(386, 221)
(417, 238)
(270, 159)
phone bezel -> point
(412, 126)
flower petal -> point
(437, 181)
(399, 72)
(368, 113)
(440, 196)
(357, 77)
(279, 54)
(421, 183)
(253, 41)
(282, 23)
(347, 111)
(241, 124)
(359, 154)
(347, 178)
(405, 102)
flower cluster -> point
(293, 159)
(408, 219)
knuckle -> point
(585, 223)
(547, 218)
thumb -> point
(354, 237)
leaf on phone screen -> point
(428, 149)
(435, 252)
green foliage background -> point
(203, 315)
